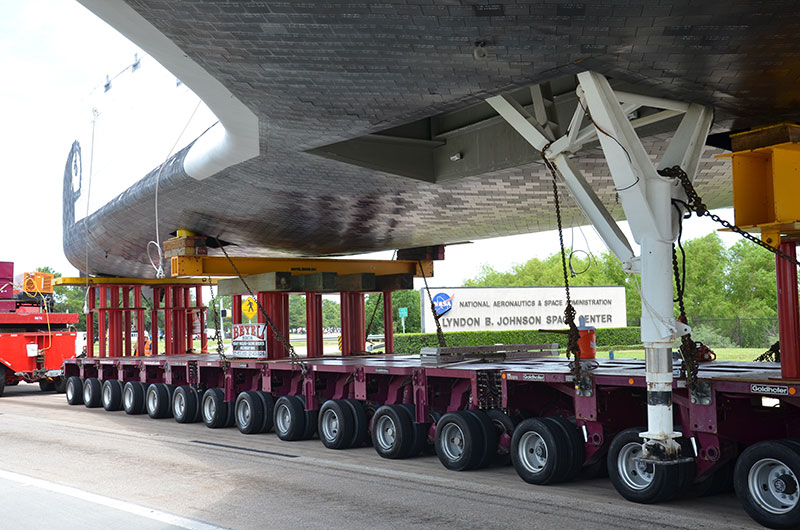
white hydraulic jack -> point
(646, 198)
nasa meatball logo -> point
(443, 303)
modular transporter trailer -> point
(739, 427)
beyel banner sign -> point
(249, 341)
(500, 308)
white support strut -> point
(646, 198)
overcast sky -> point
(54, 58)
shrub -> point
(606, 337)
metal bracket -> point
(701, 393)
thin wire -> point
(160, 267)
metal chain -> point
(293, 357)
(697, 205)
(439, 333)
(569, 311)
(690, 353)
(773, 354)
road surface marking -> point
(134, 509)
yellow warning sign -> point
(249, 307)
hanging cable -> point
(439, 333)
(159, 268)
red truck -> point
(34, 341)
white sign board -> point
(500, 308)
(249, 341)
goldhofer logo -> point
(769, 389)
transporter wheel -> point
(336, 424)
(766, 479)
(47, 386)
(3, 380)
(639, 481)
(420, 432)
(60, 385)
(230, 415)
(504, 428)
(268, 402)
(370, 409)
(213, 407)
(459, 441)
(157, 399)
(249, 412)
(360, 423)
(91, 393)
(489, 438)
(290, 418)
(133, 397)
(74, 390)
(392, 432)
(112, 395)
(184, 405)
(540, 452)
(575, 441)
(714, 483)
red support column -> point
(128, 318)
(278, 309)
(198, 297)
(314, 325)
(788, 314)
(169, 340)
(114, 331)
(388, 322)
(101, 322)
(90, 303)
(354, 326)
(154, 338)
(236, 317)
(188, 318)
(140, 331)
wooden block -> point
(356, 282)
(318, 282)
(267, 282)
(765, 137)
(394, 282)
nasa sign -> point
(501, 308)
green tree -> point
(331, 314)
(297, 311)
(409, 299)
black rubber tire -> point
(392, 432)
(74, 389)
(459, 441)
(230, 417)
(47, 386)
(3, 381)
(268, 402)
(60, 385)
(597, 469)
(665, 482)
(213, 409)
(575, 440)
(760, 508)
(420, 432)
(249, 412)
(336, 424)
(502, 423)
(533, 435)
(158, 402)
(489, 438)
(360, 423)
(290, 418)
(184, 404)
(718, 481)
(91, 393)
(370, 409)
(112, 395)
(133, 397)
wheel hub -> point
(785, 484)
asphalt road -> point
(72, 465)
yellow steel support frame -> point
(766, 187)
(204, 266)
(80, 282)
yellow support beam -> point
(203, 266)
(81, 282)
